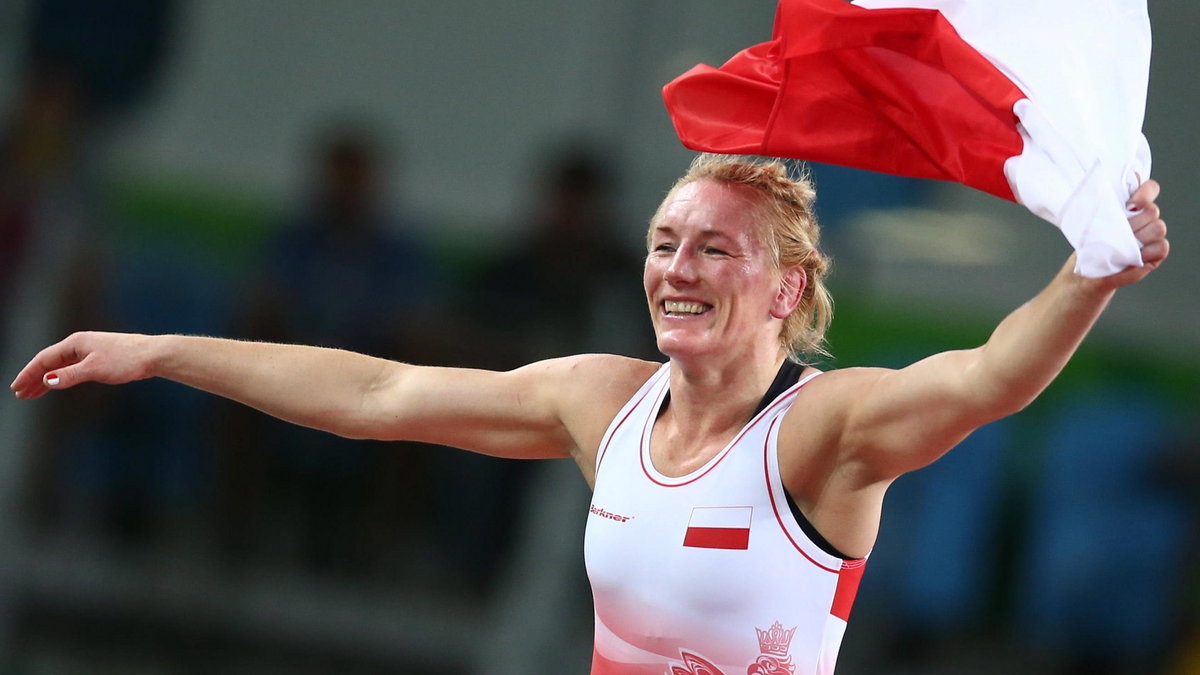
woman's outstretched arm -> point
(531, 412)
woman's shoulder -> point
(825, 401)
(590, 380)
(608, 371)
(851, 378)
(593, 388)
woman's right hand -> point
(108, 358)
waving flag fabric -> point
(1033, 101)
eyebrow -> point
(708, 232)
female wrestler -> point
(737, 492)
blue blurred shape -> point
(1098, 573)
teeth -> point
(675, 307)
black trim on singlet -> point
(789, 374)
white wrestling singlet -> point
(708, 573)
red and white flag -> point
(1034, 101)
(726, 527)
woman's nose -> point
(682, 269)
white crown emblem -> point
(775, 641)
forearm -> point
(1029, 348)
(1034, 343)
(322, 388)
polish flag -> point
(1036, 101)
(725, 527)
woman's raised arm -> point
(904, 419)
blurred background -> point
(468, 183)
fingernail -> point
(52, 380)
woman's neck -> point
(708, 404)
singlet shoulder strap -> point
(788, 375)
(657, 379)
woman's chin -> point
(674, 348)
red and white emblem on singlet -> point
(687, 571)
(774, 659)
(694, 665)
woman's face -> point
(710, 282)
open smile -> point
(684, 307)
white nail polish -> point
(52, 381)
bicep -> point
(512, 414)
(902, 420)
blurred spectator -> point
(84, 66)
(568, 286)
(571, 285)
(344, 271)
(38, 143)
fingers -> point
(1144, 196)
(1151, 232)
(1156, 252)
(53, 367)
(1143, 212)
(1145, 218)
(1153, 238)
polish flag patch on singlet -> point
(726, 527)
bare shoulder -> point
(592, 389)
(591, 374)
(816, 425)
(838, 389)
(599, 382)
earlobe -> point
(791, 289)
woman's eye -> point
(667, 248)
(714, 251)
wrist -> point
(156, 354)
(1086, 290)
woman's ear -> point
(791, 289)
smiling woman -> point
(783, 221)
(736, 492)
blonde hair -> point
(783, 205)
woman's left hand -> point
(1151, 232)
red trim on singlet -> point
(644, 446)
(775, 506)
(847, 587)
(608, 441)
